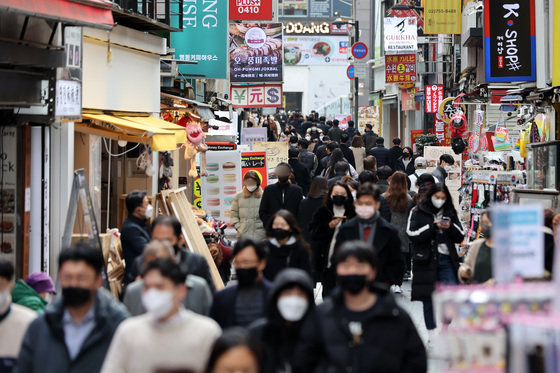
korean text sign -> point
(401, 34)
(433, 97)
(400, 68)
(509, 40)
(240, 10)
(255, 52)
(208, 23)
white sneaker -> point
(396, 289)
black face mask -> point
(75, 296)
(281, 234)
(339, 200)
(353, 284)
(246, 276)
(486, 230)
(406, 155)
(283, 179)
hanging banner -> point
(400, 68)
(433, 96)
(254, 96)
(255, 161)
(210, 24)
(509, 40)
(307, 50)
(240, 10)
(407, 99)
(414, 134)
(222, 183)
(401, 34)
(442, 16)
(255, 52)
(441, 130)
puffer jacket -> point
(245, 214)
(26, 296)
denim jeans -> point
(445, 275)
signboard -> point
(197, 193)
(319, 8)
(255, 52)
(240, 10)
(10, 195)
(518, 242)
(433, 96)
(371, 115)
(294, 8)
(401, 34)
(414, 134)
(448, 108)
(407, 99)
(222, 183)
(208, 23)
(400, 68)
(509, 40)
(351, 72)
(276, 152)
(68, 87)
(360, 69)
(307, 50)
(218, 145)
(68, 102)
(410, 12)
(441, 130)
(253, 96)
(309, 28)
(359, 50)
(255, 161)
(253, 134)
(442, 16)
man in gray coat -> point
(199, 295)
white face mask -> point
(5, 301)
(438, 203)
(308, 138)
(251, 188)
(158, 303)
(447, 168)
(365, 212)
(149, 211)
(292, 308)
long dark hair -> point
(292, 222)
(318, 188)
(348, 206)
(448, 208)
(397, 194)
(336, 156)
(235, 337)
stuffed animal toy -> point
(194, 144)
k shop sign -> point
(240, 10)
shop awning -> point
(92, 13)
(162, 140)
(180, 134)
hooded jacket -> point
(293, 254)
(44, 348)
(389, 342)
(279, 338)
(26, 296)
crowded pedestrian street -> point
(279, 186)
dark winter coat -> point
(352, 131)
(303, 177)
(276, 197)
(348, 154)
(44, 349)
(134, 237)
(386, 243)
(369, 138)
(422, 232)
(394, 153)
(389, 342)
(381, 154)
(408, 169)
(278, 339)
(335, 133)
(307, 209)
(439, 174)
(308, 160)
(293, 255)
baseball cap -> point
(40, 282)
(420, 161)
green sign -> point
(204, 38)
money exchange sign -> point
(269, 95)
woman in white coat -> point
(245, 208)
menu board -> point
(222, 183)
(8, 194)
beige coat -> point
(470, 259)
(359, 155)
(245, 214)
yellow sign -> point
(401, 68)
(556, 45)
(442, 16)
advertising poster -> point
(401, 34)
(442, 17)
(260, 10)
(320, 8)
(414, 134)
(509, 40)
(276, 152)
(255, 161)
(251, 135)
(371, 115)
(255, 52)
(222, 183)
(9, 193)
(433, 96)
(309, 50)
(254, 96)
(400, 68)
(208, 23)
(453, 181)
(407, 99)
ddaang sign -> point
(240, 10)
(307, 28)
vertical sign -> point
(509, 40)
(9, 187)
(433, 96)
(441, 130)
(442, 16)
(208, 23)
(240, 10)
(68, 101)
(255, 161)
(407, 99)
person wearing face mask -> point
(286, 246)
(245, 208)
(444, 166)
(35, 292)
(281, 195)
(405, 162)
(290, 301)
(434, 229)
(243, 303)
(477, 266)
(307, 159)
(159, 338)
(14, 319)
(337, 208)
(74, 333)
(360, 328)
(369, 226)
(134, 231)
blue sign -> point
(359, 50)
(351, 72)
